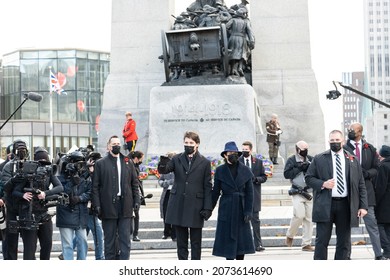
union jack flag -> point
(55, 85)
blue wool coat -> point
(233, 236)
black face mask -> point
(189, 149)
(303, 153)
(335, 147)
(116, 150)
(22, 154)
(351, 135)
(245, 153)
(233, 158)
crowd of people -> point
(103, 194)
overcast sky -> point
(336, 30)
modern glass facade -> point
(75, 112)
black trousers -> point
(131, 145)
(30, 239)
(255, 222)
(169, 230)
(136, 223)
(11, 239)
(340, 216)
(182, 242)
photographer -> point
(72, 219)
(10, 177)
(295, 170)
(31, 198)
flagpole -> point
(51, 117)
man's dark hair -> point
(192, 135)
(113, 136)
(248, 143)
(137, 154)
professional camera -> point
(293, 191)
(56, 199)
(33, 170)
(301, 191)
(32, 221)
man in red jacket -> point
(129, 133)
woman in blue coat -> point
(233, 183)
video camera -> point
(301, 191)
(32, 221)
(33, 170)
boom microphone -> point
(33, 96)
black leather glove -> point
(136, 206)
(366, 175)
(206, 214)
(305, 166)
(164, 160)
(247, 218)
(254, 180)
(75, 200)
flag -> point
(55, 85)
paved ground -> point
(359, 252)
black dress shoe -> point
(382, 258)
(260, 249)
(164, 237)
(136, 238)
(174, 239)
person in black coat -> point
(115, 194)
(189, 202)
(10, 177)
(367, 156)
(137, 158)
(233, 185)
(259, 177)
(44, 184)
(339, 194)
(382, 192)
(166, 182)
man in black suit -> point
(259, 177)
(189, 203)
(340, 196)
(369, 161)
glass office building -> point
(72, 115)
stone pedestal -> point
(218, 113)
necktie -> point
(340, 177)
(247, 162)
(357, 151)
(189, 162)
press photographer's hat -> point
(9, 148)
(384, 151)
(231, 147)
(41, 155)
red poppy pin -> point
(365, 146)
(126, 160)
(349, 157)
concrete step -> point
(273, 233)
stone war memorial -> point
(213, 69)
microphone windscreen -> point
(34, 96)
